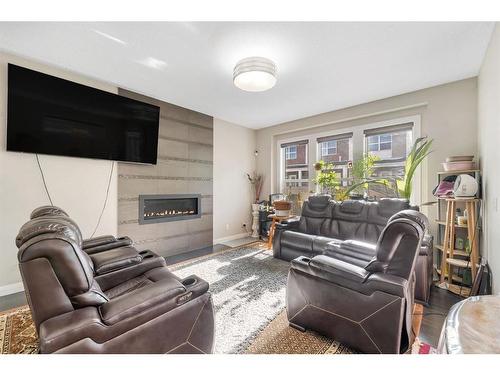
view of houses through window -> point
(388, 147)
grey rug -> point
(248, 287)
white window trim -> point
(358, 132)
(289, 152)
(328, 148)
(378, 142)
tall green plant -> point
(326, 177)
(419, 151)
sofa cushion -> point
(298, 241)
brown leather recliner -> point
(324, 222)
(115, 301)
(90, 245)
(367, 308)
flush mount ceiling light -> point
(254, 74)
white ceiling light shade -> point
(254, 74)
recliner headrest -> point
(58, 225)
(319, 201)
(47, 211)
(414, 216)
(351, 206)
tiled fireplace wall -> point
(185, 166)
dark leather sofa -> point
(367, 308)
(357, 224)
(116, 300)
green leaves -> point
(419, 151)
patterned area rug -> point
(17, 332)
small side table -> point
(275, 219)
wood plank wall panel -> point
(185, 165)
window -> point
(291, 153)
(390, 147)
(295, 172)
(380, 142)
(328, 148)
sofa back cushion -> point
(351, 219)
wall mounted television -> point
(50, 115)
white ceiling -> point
(321, 66)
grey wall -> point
(185, 165)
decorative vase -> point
(255, 221)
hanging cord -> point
(43, 179)
(105, 199)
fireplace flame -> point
(169, 213)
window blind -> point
(389, 129)
(334, 137)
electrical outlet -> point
(227, 226)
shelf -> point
(458, 263)
(456, 278)
(461, 253)
(441, 222)
(459, 199)
(460, 172)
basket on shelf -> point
(282, 208)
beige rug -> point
(279, 338)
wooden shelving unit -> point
(455, 263)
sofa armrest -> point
(289, 224)
(107, 245)
(163, 292)
(115, 259)
(96, 241)
(391, 284)
(331, 269)
(427, 245)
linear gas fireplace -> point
(171, 207)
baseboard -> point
(231, 238)
(5, 290)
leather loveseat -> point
(116, 300)
(357, 224)
(367, 308)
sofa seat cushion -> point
(298, 241)
(150, 277)
(320, 244)
(115, 259)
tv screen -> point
(49, 115)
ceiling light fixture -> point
(254, 74)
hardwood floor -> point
(440, 302)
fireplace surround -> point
(168, 207)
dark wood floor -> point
(434, 315)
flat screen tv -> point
(49, 115)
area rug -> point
(17, 332)
(279, 338)
(248, 287)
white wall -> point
(489, 151)
(234, 148)
(77, 185)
